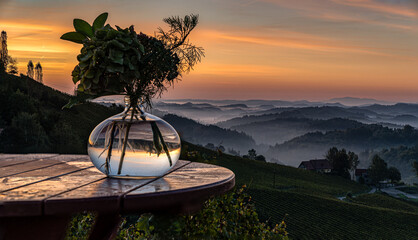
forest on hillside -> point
(32, 118)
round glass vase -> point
(134, 144)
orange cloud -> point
(380, 7)
(344, 18)
(242, 70)
(278, 49)
(299, 41)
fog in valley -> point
(289, 132)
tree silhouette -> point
(393, 174)
(415, 165)
(38, 73)
(378, 169)
(252, 154)
(12, 65)
(341, 161)
(3, 51)
(353, 158)
(30, 69)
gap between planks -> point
(121, 196)
(46, 179)
(39, 168)
(33, 160)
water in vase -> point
(152, 147)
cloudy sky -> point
(264, 49)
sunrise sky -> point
(255, 49)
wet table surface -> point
(53, 186)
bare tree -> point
(4, 55)
(38, 72)
(30, 72)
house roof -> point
(317, 164)
(360, 171)
(307, 165)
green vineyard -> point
(309, 201)
(313, 217)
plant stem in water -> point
(159, 141)
(109, 150)
(125, 141)
(164, 146)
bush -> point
(231, 216)
(80, 226)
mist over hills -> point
(289, 132)
(289, 135)
(345, 101)
(219, 111)
(228, 115)
(197, 133)
(365, 140)
(279, 130)
(359, 139)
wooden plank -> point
(102, 195)
(27, 178)
(28, 200)
(180, 191)
(4, 156)
(193, 175)
(35, 165)
(24, 158)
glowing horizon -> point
(255, 49)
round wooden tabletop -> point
(42, 185)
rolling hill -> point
(309, 200)
(197, 133)
(31, 118)
(279, 130)
(388, 115)
(365, 141)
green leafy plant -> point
(109, 61)
(231, 216)
(120, 61)
(80, 226)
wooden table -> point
(40, 192)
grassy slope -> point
(67, 129)
(309, 200)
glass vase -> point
(134, 144)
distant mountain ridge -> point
(254, 102)
(388, 115)
(352, 101)
(219, 111)
(279, 129)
